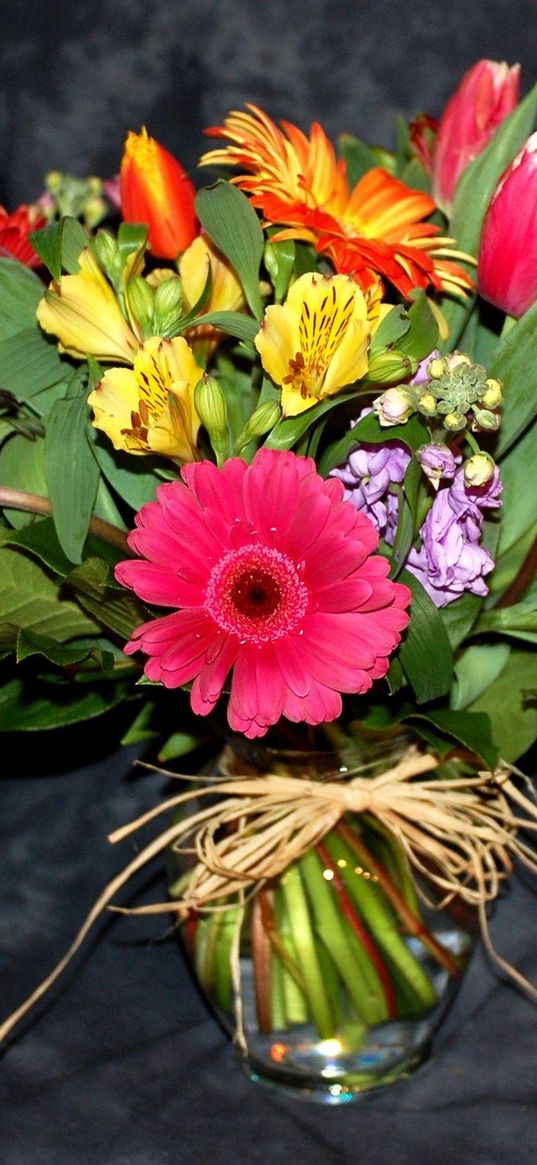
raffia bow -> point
(462, 834)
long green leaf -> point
(511, 703)
(235, 323)
(59, 246)
(20, 292)
(29, 363)
(232, 224)
(44, 706)
(425, 653)
(514, 365)
(72, 474)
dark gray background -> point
(125, 1066)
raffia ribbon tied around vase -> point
(463, 835)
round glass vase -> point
(344, 969)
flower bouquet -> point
(294, 410)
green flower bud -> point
(262, 420)
(485, 419)
(140, 299)
(106, 252)
(95, 209)
(395, 406)
(53, 181)
(168, 296)
(389, 367)
(211, 406)
(479, 469)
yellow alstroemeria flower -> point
(150, 408)
(226, 293)
(317, 342)
(83, 312)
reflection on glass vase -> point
(333, 976)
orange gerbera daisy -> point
(375, 229)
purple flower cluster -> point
(450, 560)
(369, 475)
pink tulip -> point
(507, 268)
(487, 94)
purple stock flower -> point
(437, 462)
(368, 476)
(450, 560)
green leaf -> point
(133, 478)
(511, 703)
(422, 336)
(28, 643)
(22, 468)
(59, 245)
(32, 708)
(31, 598)
(471, 729)
(232, 223)
(235, 323)
(519, 621)
(514, 364)
(425, 653)
(476, 668)
(459, 617)
(474, 191)
(20, 292)
(72, 474)
(287, 432)
(279, 261)
(390, 331)
(29, 363)
(114, 609)
(519, 504)
(181, 743)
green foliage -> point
(425, 653)
(72, 473)
(232, 224)
(59, 245)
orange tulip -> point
(157, 191)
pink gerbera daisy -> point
(275, 579)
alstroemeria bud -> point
(487, 94)
(106, 249)
(211, 407)
(262, 420)
(389, 367)
(140, 297)
(507, 267)
(157, 191)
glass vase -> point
(332, 977)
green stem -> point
(294, 997)
(261, 960)
(306, 949)
(413, 922)
(382, 922)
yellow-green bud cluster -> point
(459, 393)
(78, 197)
(155, 311)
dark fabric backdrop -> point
(124, 1065)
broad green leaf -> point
(422, 336)
(20, 292)
(511, 703)
(425, 653)
(474, 191)
(279, 261)
(59, 245)
(471, 729)
(408, 511)
(476, 668)
(114, 609)
(37, 706)
(30, 598)
(72, 473)
(519, 621)
(390, 331)
(133, 478)
(459, 617)
(29, 363)
(22, 468)
(235, 323)
(514, 365)
(29, 643)
(41, 541)
(519, 503)
(232, 223)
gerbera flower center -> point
(256, 594)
